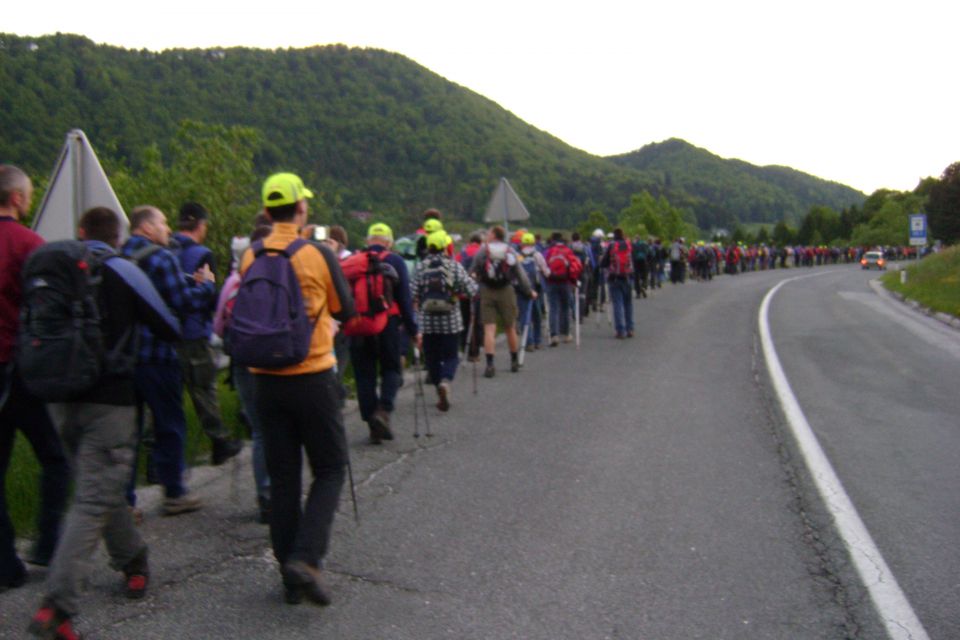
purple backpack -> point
(269, 326)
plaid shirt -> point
(463, 285)
(179, 291)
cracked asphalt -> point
(632, 489)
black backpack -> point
(438, 295)
(60, 348)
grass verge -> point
(934, 282)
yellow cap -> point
(284, 188)
(432, 225)
(528, 238)
(437, 240)
(380, 230)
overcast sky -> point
(863, 93)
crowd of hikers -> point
(95, 330)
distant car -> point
(873, 260)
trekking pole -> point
(416, 399)
(471, 335)
(418, 394)
(596, 306)
(353, 489)
(576, 312)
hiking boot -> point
(39, 557)
(489, 372)
(443, 391)
(300, 578)
(137, 574)
(380, 426)
(184, 504)
(224, 449)
(52, 624)
(629, 334)
(16, 580)
(553, 341)
(514, 366)
(530, 348)
(568, 338)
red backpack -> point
(371, 281)
(621, 258)
(559, 264)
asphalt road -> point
(645, 488)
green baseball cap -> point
(380, 230)
(284, 188)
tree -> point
(821, 225)
(943, 206)
(763, 236)
(890, 225)
(595, 220)
(782, 234)
(209, 164)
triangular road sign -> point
(78, 183)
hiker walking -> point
(565, 271)
(469, 307)
(241, 376)
(20, 409)
(497, 266)
(159, 377)
(530, 309)
(99, 426)
(381, 290)
(437, 282)
(194, 351)
(298, 404)
(618, 261)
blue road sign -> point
(918, 229)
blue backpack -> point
(269, 326)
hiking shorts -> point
(498, 303)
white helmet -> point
(598, 233)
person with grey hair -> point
(159, 378)
(19, 409)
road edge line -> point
(899, 618)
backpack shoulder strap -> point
(143, 253)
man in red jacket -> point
(18, 408)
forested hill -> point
(370, 129)
(723, 192)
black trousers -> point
(302, 413)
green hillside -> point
(722, 192)
(371, 129)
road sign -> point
(918, 229)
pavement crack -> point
(830, 562)
(383, 582)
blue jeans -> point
(244, 382)
(559, 299)
(160, 386)
(622, 299)
(368, 354)
(442, 355)
(27, 413)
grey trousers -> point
(200, 380)
(99, 441)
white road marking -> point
(898, 616)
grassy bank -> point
(23, 474)
(934, 282)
